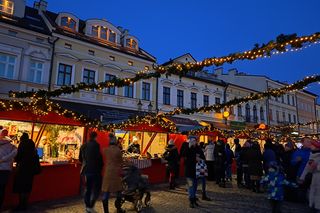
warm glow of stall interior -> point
(54, 142)
(154, 143)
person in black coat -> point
(26, 169)
(171, 155)
(220, 163)
(237, 155)
(255, 166)
(190, 160)
(244, 158)
(92, 163)
(201, 156)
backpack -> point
(201, 169)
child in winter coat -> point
(275, 181)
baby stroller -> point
(136, 188)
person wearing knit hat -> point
(313, 167)
(171, 155)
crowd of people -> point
(284, 171)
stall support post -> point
(149, 143)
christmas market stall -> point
(58, 140)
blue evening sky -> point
(206, 28)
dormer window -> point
(112, 36)
(131, 43)
(6, 6)
(103, 33)
(68, 23)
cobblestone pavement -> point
(230, 200)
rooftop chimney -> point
(218, 71)
(40, 5)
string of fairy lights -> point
(40, 105)
(236, 101)
(282, 44)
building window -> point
(112, 58)
(261, 114)
(112, 36)
(110, 90)
(180, 98)
(128, 91)
(283, 116)
(67, 46)
(91, 52)
(6, 6)
(146, 91)
(239, 109)
(255, 114)
(294, 119)
(193, 100)
(68, 23)
(35, 71)
(288, 99)
(270, 115)
(64, 75)
(95, 31)
(166, 95)
(289, 117)
(277, 116)
(282, 99)
(7, 65)
(248, 114)
(205, 100)
(131, 43)
(89, 76)
(130, 63)
(103, 33)
(277, 98)
(217, 100)
(293, 102)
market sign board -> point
(237, 125)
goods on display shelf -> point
(56, 144)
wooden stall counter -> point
(55, 181)
(156, 172)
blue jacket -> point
(275, 182)
(303, 154)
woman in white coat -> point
(313, 167)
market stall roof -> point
(185, 124)
(104, 114)
(109, 115)
(50, 118)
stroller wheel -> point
(147, 200)
(138, 205)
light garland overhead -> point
(257, 96)
(283, 43)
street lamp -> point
(226, 115)
(139, 105)
(150, 107)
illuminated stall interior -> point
(55, 143)
(153, 143)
